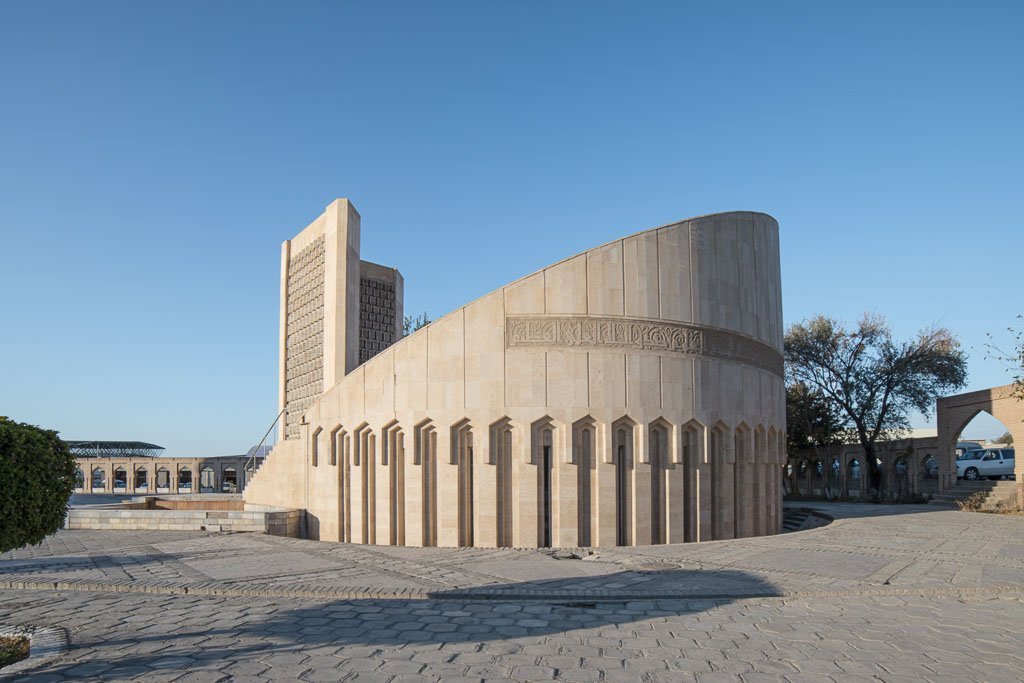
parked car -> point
(931, 463)
(991, 463)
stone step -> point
(792, 520)
(966, 489)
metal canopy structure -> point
(113, 449)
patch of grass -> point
(13, 649)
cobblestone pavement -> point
(883, 593)
(217, 638)
(881, 548)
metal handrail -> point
(249, 466)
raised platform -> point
(198, 512)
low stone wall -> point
(204, 501)
(254, 518)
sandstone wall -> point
(636, 387)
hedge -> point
(37, 477)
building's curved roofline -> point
(609, 243)
(117, 448)
(547, 267)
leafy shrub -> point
(37, 477)
(974, 502)
(13, 649)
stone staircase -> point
(993, 490)
(800, 519)
(793, 519)
(259, 454)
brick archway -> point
(954, 412)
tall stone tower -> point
(337, 311)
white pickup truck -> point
(991, 463)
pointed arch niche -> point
(584, 449)
(425, 455)
(623, 454)
(500, 451)
(462, 455)
(696, 480)
(720, 454)
(542, 454)
(660, 437)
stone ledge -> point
(275, 521)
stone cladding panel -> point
(304, 344)
(376, 317)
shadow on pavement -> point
(851, 509)
(363, 627)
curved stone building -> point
(632, 394)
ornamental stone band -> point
(639, 335)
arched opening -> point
(501, 456)
(99, 479)
(207, 480)
(163, 480)
(901, 477)
(184, 479)
(120, 479)
(817, 472)
(834, 479)
(141, 480)
(853, 473)
(623, 448)
(229, 483)
(462, 454)
(583, 439)
(984, 449)
(394, 443)
(658, 455)
(426, 457)
(79, 479)
(803, 486)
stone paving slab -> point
(908, 593)
(868, 548)
(218, 638)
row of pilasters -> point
(711, 494)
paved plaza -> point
(883, 593)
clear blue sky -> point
(153, 156)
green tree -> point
(37, 477)
(813, 423)
(413, 323)
(1006, 439)
(874, 380)
(812, 420)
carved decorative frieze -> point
(639, 335)
(304, 328)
